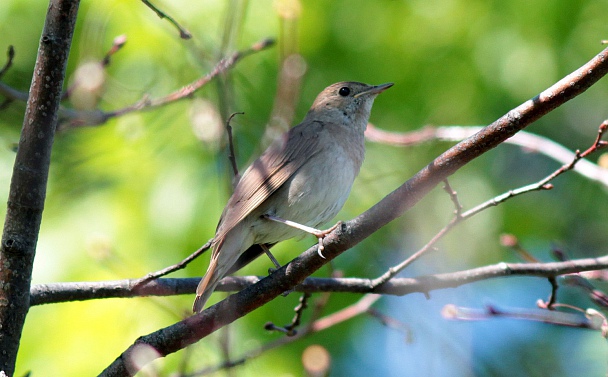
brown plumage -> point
(305, 176)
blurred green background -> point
(145, 190)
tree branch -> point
(81, 118)
(192, 329)
(65, 292)
(183, 33)
(30, 173)
(529, 141)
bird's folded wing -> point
(278, 163)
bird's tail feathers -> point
(225, 253)
(206, 287)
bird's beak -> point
(374, 89)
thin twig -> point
(183, 33)
(176, 267)
(530, 142)
(81, 118)
(553, 297)
(99, 117)
(290, 330)
(454, 197)
(10, 54)
(391, 322)
(117, 44)
(188, 90)
(392, 271)
(510, 241)
(544, 316)
(598, 297)
(231, 153)
(543, 184)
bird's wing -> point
(269, 172)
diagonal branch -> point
(82, 118)
(192, 329)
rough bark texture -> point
(30, 173)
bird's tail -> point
(226, 251)
(206, 286)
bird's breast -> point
(314, 194)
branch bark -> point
(192, 329)
(30, 173)
(81, 291)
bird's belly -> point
(312, 197)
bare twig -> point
(510, 241)
(529, 141)
(391, 322)
(10, 54)
(598, 297)
(454, 197)
(99, 117)
(359, 307)
(290, 330)
(231, 153)
(176, 267)
(82, 118)
(553, 297)
(7, 91)
(460, 216)
(183, 33)
(117, 44)
(544, 316)
(394, 270)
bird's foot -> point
(320, 234)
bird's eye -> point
(344, 91)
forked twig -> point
(543, 184)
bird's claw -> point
(320, 248)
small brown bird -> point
(300, 182)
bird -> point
(299, 183)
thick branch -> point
(28, 184)
(190, 330)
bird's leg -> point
(276, 264)
(272, 258)
(320, 234)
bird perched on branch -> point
(300, 182)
